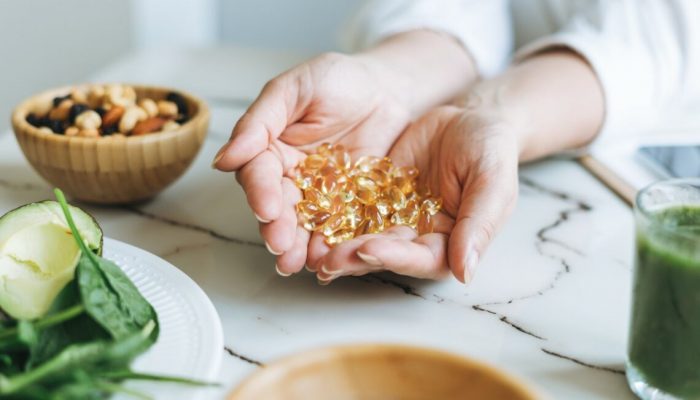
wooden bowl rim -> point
(321, 354)
(19, 115)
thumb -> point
(264, 121)
(484, 206)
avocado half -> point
(38, 255)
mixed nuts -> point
(104, 110)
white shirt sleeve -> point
(483, 27)
(645, 53)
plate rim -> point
(157, 262)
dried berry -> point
(181, 103)
(33, 119)
(56, 126)
(59, 99)
(75, 110)
(101, 111)
(109, 130)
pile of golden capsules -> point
(343, 200)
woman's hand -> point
(363, 101)
(469, 157)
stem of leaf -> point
(48, 321)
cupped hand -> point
(469, 157)
(332, 98)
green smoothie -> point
(664, 341)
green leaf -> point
(108, 294)
(27, 333)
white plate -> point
(191, 337)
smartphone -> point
(672, 161)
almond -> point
(148, 125)
(112, 116)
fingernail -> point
(470, 266)
(308, 268)
(280, 273)
(371, 260)
(275, 253)
(324, 282)
(326, 271)
(260, 219)
(218, 157)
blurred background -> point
(48, 43)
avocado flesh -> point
(38, 256)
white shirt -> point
(645, 53)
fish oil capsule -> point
(333, 224)
(398, 199)
(315, 221)
(385, 165)
(324, 149)
(329, 184)
(374, 216)
(365, 164)
(403, 183)
(314, 162)
(303, 180)
(362, 227)
(405, 216)
(384, 206)
(342, 160)
(432, 205)
(340, 236)
(307, 207)
(366, 196)
(315, 196)
(337, 205)
(352, 218)
(362, 182)
(379, 176)
(425, 222)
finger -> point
(261, 180)
(292, 261)
(344, 259)
(279, 235)
(483, 209)
(317, 250)
(425, 257)
(274, 109)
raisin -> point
(59, 99)
(109, 130)
(180, 101)
(101, 111)
(33, 119)
(75, 110)
(182, 119)
(56, 126)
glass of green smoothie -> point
(664, 338)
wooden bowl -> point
(111, 169)
(379, 372)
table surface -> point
(550, 301)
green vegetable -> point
(38, 258)
(81, 345)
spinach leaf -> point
(109, 296)
(79, 329)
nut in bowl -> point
(111, 144)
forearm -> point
(552, 101)
(423, 68)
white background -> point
(45, 43)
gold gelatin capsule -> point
(366, 196)
(384, 206)
(385, 165)
(398, 199)
(380, 177)
(314, 162)
(324, 149)
(352, 217)
(374, 216)
(303, 180)
(362, 227)
(347, 196)
(432, 205)
(307, 207)
(333, 224)
(365, 164)
(340, 236)
(362, 182)
(403, 183)
(315, 221)
(342, 160)
(425, 222)
(337, 205)
(406, 216)
(329, 184)
(315, 196)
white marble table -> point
(550, 301)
